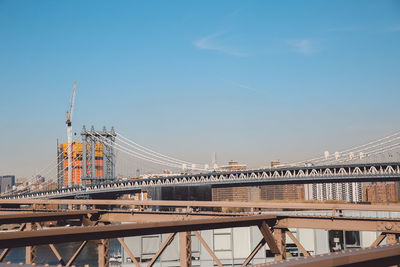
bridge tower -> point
(98, 156)
(93, 159)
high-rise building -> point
(93, 160)
(281, 192)
(380, 192)
(350, 192)
(235, 193)
(6, 183)
(77, 162)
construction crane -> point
(69, 135)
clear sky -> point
(253, 81)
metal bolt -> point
(388, 226)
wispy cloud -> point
(303, 46)
(243, 86)
(214, 42)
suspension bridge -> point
(375, 161)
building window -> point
(339, 240)
(223, 243)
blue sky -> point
(253, 81)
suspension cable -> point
(151, 151)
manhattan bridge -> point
(375, 161)
(90, 199)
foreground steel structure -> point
(373, 256)
(373, 172)
(100, 225)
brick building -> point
(380, 192)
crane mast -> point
(69, 135)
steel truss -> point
(274, 229)
(374, 172)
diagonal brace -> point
(269, 238)
(207, 248)
(83, 244)
(6, 250)
(161, 250)
(379, 240)
(128, 251)
(297, 242)
(53, 248)
(254, 252)
(76, 254)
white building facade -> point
(350, 192)
(233, 245)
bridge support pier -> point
(185, 244)
(30, 251)
(103, 249)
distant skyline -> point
(253, 81)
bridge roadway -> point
(371, 172)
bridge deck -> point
(373, 172)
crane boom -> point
(69, 135)
(71, 108)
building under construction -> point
(92, 160)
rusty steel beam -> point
(53, 248)
(126, 248)
(30, 249)
(212, 204)
(76, 254)
(269, 238)
(209, 250)
(297, 242)
(280, 239)
(166, 243)
(60, 235)
(103, 253)
(392, 238)
(378, 241)
(128, 216)
(339, 223)
(4, 254)
(254, 252)
(378, 256)
(185, 247)
(71, 234)
(119, 216)
(16, 211)
(6, 250)
(43, 216)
